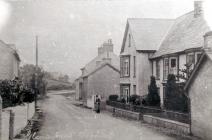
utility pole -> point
(36, 71)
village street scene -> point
(105, 70)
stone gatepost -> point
(0, 117)
(11, 125)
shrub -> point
(113, 97)
(175, 98)
(153, 97)
(135, 99)
(123, 100)
(13, 92)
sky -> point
(70, 31)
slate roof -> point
(91, 66)
(187, 32)
(102, 66)
(147, 33)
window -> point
(129, 45)
(134, 64)
(166, 68)
(157, 69)
(125, 66)
(173, 66)
(170, 66)
(190, 58)
(197, 56)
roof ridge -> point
(184, 14)
(150, 19)
(100, 67)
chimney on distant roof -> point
(198, 10)
(106, 47)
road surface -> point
(65, 121)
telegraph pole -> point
(36, 71)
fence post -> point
(0, 117)
(11, 125)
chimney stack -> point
(198, 11)
(106, 47)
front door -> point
(125, 92)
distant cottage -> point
(100, 76)
(9, 62)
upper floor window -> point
(173, 65)
(157, 69)
(125, 66)
(170, 66)
(134, 65)
(197, 56)
(129, 45)
(190, 58)
(165, 68)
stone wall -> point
(20, 119)
(179, 127)
(123, 113)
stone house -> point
(9, 62)
(199, 90)
(142, 38)
(100, 76)
(182, 45)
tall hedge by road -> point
(13, 93)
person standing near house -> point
(97, 104)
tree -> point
(153, 97)
(64, 78)
(27, 74)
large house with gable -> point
(141, 40)
(159, 47)
(100, 76)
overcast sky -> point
(71, 30)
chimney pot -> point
(198, 11)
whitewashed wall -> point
(20, 119)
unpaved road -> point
(65, 121)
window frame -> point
(129, 40)
(169, 66)
(157, 69)
(134, 66)
(196, 56)
(122, 66)
(164, 70)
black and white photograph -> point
(105, 70)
